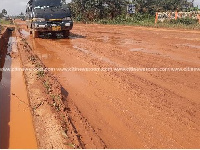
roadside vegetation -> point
(115, 12)
(2, 14)
(149, 21)
(5, 22)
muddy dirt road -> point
(129, 109)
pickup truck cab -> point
(48, 16)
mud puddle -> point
(143, 50)
(4, 94)
(81, 49)
(95, 55)
(190, 46)
(16, 126)
(116, 40)
(24, 33)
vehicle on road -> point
(48, 16)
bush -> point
(142, 19)
(5, 22)
(185, 21)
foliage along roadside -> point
(91, 10)
(5, 22)
(148, 21)
(115, 12)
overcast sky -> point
(15, 7)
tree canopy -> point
(108, 9)
(151, 6)
(4, 12)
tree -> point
(97, 9)
(4, 12)
(91, 10)
(151, 6)
(21, 14)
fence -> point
(162, 16)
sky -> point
(15, 7)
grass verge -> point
(148, 21)
(5, 22)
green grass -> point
(4, 22)
(179, 26)
(184, 23)
(149, 21)
(1, 28)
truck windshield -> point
(47, 3)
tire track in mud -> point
(127, 110)
(86, 134)
(64, 126)
(140, 82)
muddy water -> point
(4, 96)
(24, 33)
(16, 128)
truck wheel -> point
(66, 34)
(35, 34)
(54, 35)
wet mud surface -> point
(128, 109)
(4, 94)
(16, 128)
